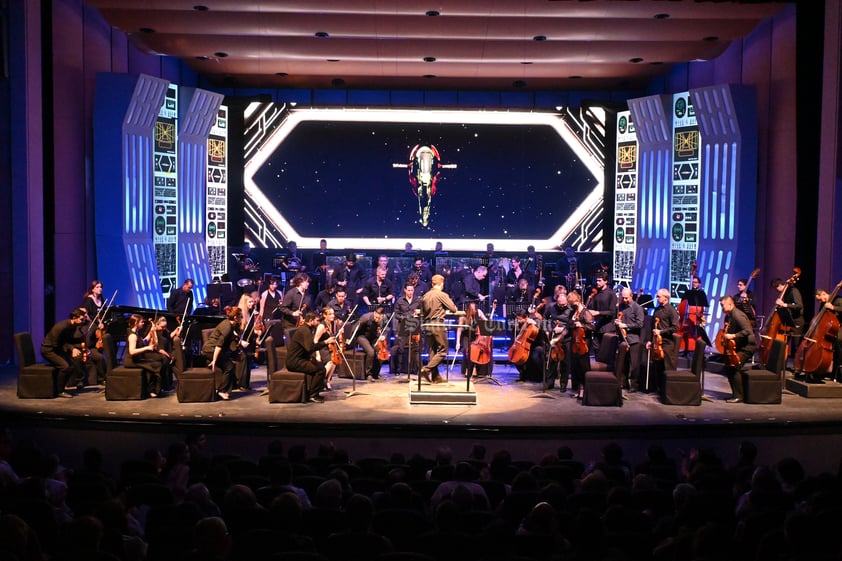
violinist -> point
(378, 289)
(181, 300)
(328, 327)
(558, 315)
(61, 347)
(603, 308)
(465, 336)
(92, 300)
(143, 353)
(249, 330)
(370, 331)
(533, 369)
(300, 356)
(270, 304)
(223, 348)
(93, 363)
(580, 325)
(744, 300)
(434, 305)
(340, 305)
(408, 332)
(790, 308)
(667, 319)
(740, 331)
(164, 345)
(296, 301)
(823, 297)
(629, 323)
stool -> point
(287, 387)
(284, 386)
(602, 388)
(35, 380)
(684, 387)
(122, 383)
(761, 386)
(195, 385)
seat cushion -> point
(38, 381)
(287, 387)
(681, 387)
(125, 383)
(761, 386)
(196, 385)
(602, 388)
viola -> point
(383, 353)
(557, 347)
(84, 352)
(336, 350)
(727, 347)
(775, 329)
(302, 309)
(622, 330)
(481, 345)
(815, 353)
(658, 342)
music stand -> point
(407, 328)
(489, 328)
(224, 291)
(353, 342)
(699, 363)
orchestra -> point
(554, 331)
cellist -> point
(835, 306)
(407, 332)
(465, 335)
(532, 370)
(742, 333)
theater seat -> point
(684, 387)
(765, 386)
(122, 383)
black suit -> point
(300, 358)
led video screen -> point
(380, 178)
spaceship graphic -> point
(423, 168)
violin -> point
(557, 346)
(658, 342)
(336, 349)
(481, 346)
(727, 347)
(775, 329)
(84, 352)
(383, 353)
(622, 330)
(302, 309)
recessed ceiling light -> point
(220, 54)
(432, 13)
(661, 16)
(333, 60)
(526, 62)
(429, 76)
(540, 38)
(146, 30)
(656, 63)
(711, 39)
(429, 59)
(636, 59)
(337, 82)
(574, 77)
(200, 8)
(519, 84)
(202, 57)
(281, 74)
(321, 34)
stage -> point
(379, 418)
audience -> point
(282, 504)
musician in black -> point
(340, 305)
(466, 336)
(557, 316)
(407, 332)
(603, 307)
(300, 355)
(580, 325)
(472, 281)
(693, 297)
(61, 347)
(378, 289)
(370, 332)
(835, 307)
(742, 333)
(350, 276)
(293, 263)
(516, 272)
(181, 300)
(744, 300)
(324, 296)
(628, 328)
(790, 308)
(665, 324)
(224, 348)
(422, 269)
(270, 304)
(296, 301)
(319, 268)
(533, 369)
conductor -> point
(434, 305)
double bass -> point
(775, 329)
(481, 345)
(691, 316)
(815, 353)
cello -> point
(815, 353)
(689, 316)
(775, 329)
(520, 349)
(481, 346)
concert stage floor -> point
(378, 418)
